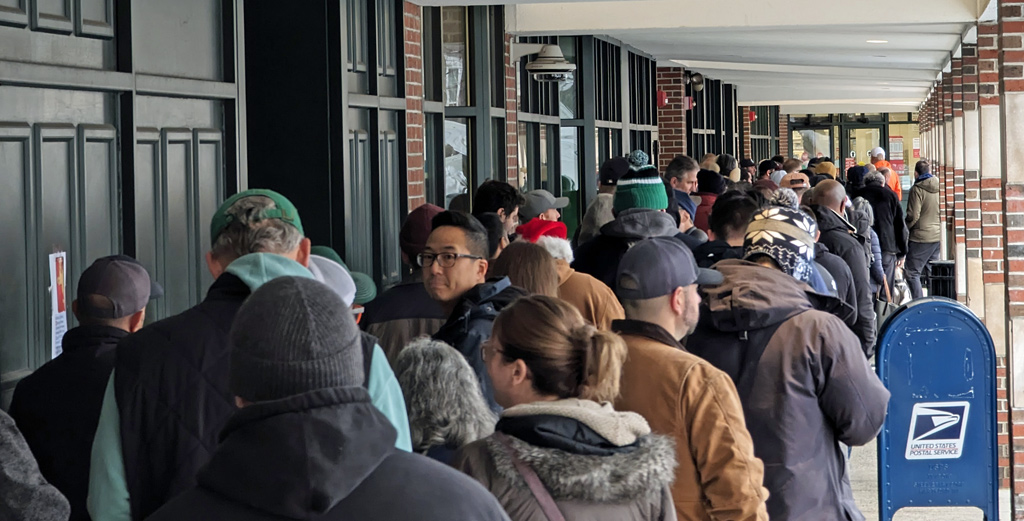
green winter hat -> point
(640, 187)
(366, 290)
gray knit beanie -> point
(290, 337)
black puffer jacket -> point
(600, 256)
(840, 273)
(710, 252)
(842, 239)
(59, 425)
(327, 455)
(470, 325)
(889, 223)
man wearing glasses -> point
(454, 265)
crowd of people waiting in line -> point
(699, 349)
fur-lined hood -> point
(642, 472)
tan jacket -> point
(681, 395)
(593, 298)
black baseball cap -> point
(115, 287)
(747, 163)
(656, 267)
(612, 169)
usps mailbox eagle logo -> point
(937, 430)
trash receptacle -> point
(942, 279)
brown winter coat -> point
(812, 387)
(593, 298)
(685, 397)
(629, 482)
(923, 211)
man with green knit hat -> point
(168, 398)
(639, 205)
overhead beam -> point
(603, 17)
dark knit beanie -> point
(710, 182)
(640, 187)
(291, 337)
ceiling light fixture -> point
(878, 41)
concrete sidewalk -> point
(864, 479)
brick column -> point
(511, 114)
(992, 229)
(972, 180)
(1011, 68)
(744, 116)
(414, 119)
(959, 222)
(784, 134)
(948, 168)
(671, 118)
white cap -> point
(334, 276)
(877, 151)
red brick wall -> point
(512, 113)
(414, 120)
(671, 118)
(784, 134)
(992, 225)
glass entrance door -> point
(857, 145)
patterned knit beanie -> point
(787, 236)
(640, 187)
(289, 338)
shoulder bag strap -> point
(547, 503)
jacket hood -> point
(619, 428)
(929, 184)
(641, 223)
(642, 473)
(300, 456)
(256, 269)
(755, 297)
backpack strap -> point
(540, 493)
(368, 342)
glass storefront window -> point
(457, 164)
(860, 141)
(813, 142)
(904, 151)
(570, 170)
(567, 101)
(454, 45)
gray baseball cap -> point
(540, 201)
(115, 287)
(656, 267)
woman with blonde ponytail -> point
(560, 451)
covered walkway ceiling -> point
(807, 56)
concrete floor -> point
(864, 479)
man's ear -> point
(137, 320)
(481, 269)
(501, 214)
(677, 301)
(214, 265)
(302, 253)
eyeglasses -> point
(489, 347)
(445, 260)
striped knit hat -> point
(640, 187)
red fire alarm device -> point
(753, 116)
(688, 103)
(662, 99)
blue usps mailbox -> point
(938, 446)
